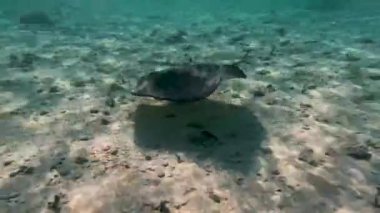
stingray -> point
(186, 83)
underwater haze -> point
(190, 106)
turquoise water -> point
(279, 106)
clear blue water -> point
(274, 141)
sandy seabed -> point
(300, 134)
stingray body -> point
(186, 83)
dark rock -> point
(215, 196)
(71, 98)
(85, 137)
(160, 174)
(78, 83)
(266, 150)
(8, 162)
(163, 208)
(359, 152)
(239, 181)
(263, 72)
(94, 111)
(8, 196)
(307, 155)
(311, 86)
(276, 172)
(104, 121)
(106, 113)
(235, 95)
(331, 152)
(25, 170)
(114, 151)
(306, 127)
(270, 88)
(44, 112)
(307, 88)
(262, 91)
(374, 77)
(259, 93)
(305, 105)
(148, 157)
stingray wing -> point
(185, 84)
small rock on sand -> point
(307, 155)
(148, 157)
(55, 201)
(7, 162)
(22, 170)
(160, 174)
(104, 121)
(215, 195)
(359, 152)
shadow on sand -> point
(224, 135)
